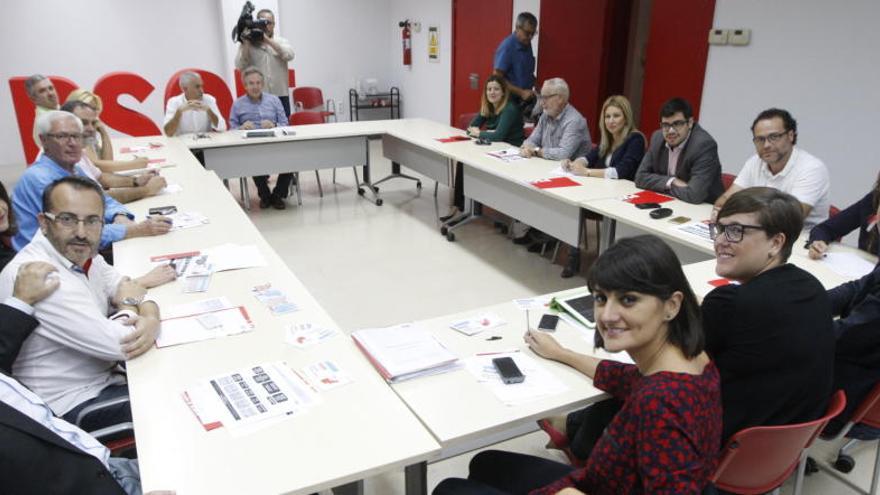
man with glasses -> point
(271, 57)
(682, 159)
(61, 135)
(778, 163)
(94, 320)
(515, 61)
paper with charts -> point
(507, 155)
(249, 396)
(538, 383)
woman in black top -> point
(861, 215)
(771, 334)
(7, 228)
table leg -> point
(245, 194)
(353, 488)
(366, 176)
(416, 479)
(606, 236)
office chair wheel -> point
(378, 201)
(450, 236)
(444, 230)
(375, 188)
(361, 191)
(419, 185)
(844, 463)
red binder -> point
(554, 182)
(647, 197)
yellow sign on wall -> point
(433, 44)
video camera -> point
(247, 27)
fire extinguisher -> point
(407, 43)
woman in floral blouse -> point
(666, 437)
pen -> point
(494, 337)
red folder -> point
(453, 139)
(647, 197)
(555, 182)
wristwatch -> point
(537, 150)
(131, 301)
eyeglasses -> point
(65, 136)
(70, 221)
(678, 124)
(733, 232)
(772, 138)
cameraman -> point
(270, 56)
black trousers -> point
(282, 185)
(495, 472)
(585, 427)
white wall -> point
(815, 58)
(424, 87)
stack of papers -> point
(404, 351)
(476, 324)
(202, 320)
(184, 220)
(700, 230)
(249, 396)
(507, 155)
(538, 383)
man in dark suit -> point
(34, 457)
(682, 160)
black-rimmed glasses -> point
(733, 232)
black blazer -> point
(698, 165)
(33, 459)
(625, 158)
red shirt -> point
(665, 439)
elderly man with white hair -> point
(61, 136)
(192, 111)
(561, 134)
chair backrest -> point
(464, 120)
(727, 180)
(306, 118)
(868, 411)
(308, 98)
(759, 459)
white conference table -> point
(459, 411)
(354, 431)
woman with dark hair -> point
(8, 228)
(499, 119)
(667, 434)
(862, 215)
(771, 334)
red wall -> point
(676, 55)
(571, 46)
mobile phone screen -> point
(508, 370)
(548, 323)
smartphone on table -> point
(508, 370)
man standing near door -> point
(515, 61)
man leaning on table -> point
(778, 163)
(192, 111)
(257, 109)
(97, 317)
(41, 453)
(61, 134)
(561, 134)
(682, 159)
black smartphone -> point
(163, 210)
(508, 370)
(483, 142)
(548, 323)
(647, 206)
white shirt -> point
(71, 356)
(14, 395)
(272, 64)
(193, 121)
(804, 176)
(89, 168)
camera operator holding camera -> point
(270, 56)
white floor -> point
(371, 266)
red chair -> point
(310, 118)
(759, 459)
(727, 180)
(311, 99)
(464, 120)
(868, 413)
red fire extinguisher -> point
(407, 43)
